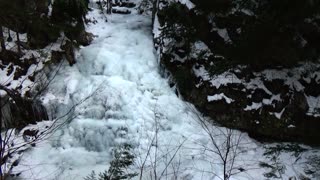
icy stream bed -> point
(129, 102)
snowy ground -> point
(129, 102)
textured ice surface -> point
(129, 102)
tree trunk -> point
(18, 43)
(1, 142)
(9, 36)
(109, 6)
(3, 45)
(155, 6)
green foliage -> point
(176, 26)
(14, 14)
(219, 66)
(69, 10)
(274, 36)
(312, 166)
(265, 165)
(276, 168)
(295, 149)
(265, 43)
(41, 31)
(183, 78)
(91, 176)
(286, 12)
(263, 33)
(145, 6)
(29, 17)
(68, 16)
(123, 158)
(216, 6)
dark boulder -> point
(18, 112)
(259, 94)
(312, 88)
(68, 48)
(84, 38)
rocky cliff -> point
(246, 64)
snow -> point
(291, 126)
(47, 98)
(188, 3)
(121, 97)
(2, 93)
(279, 114)
(224, 79)
(23, 84)
(273, 98)
(200, 50)
(56, 46)
(156, 27)
(201, 72)
(50, 10)
(314, 106)
(253, 106)
(258, 83)
(218, 97)
(247, 12)
(18, 142)
(30, 54)
(290, 77)
(7, 79)
(12, 45)
(224, 34)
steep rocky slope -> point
(244, 66)
(116, 97)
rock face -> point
(84, 38)
(20, 112)
(42, 28)
(269, 100)
(69, 53)
(62, 28)
(278, 112)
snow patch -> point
(202, 73)
(224, 79)
(200, 49)
(253, 106)
(314, 106)
(218, 97)
(156, 27)
(131, 98)
(188, 3)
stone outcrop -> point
(69, 52)
(18, 112)
(32, 17)
(275, 113)
(271, 100)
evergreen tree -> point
(123, 158)
(69, 10)
(2, 42)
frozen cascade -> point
(120, 73)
